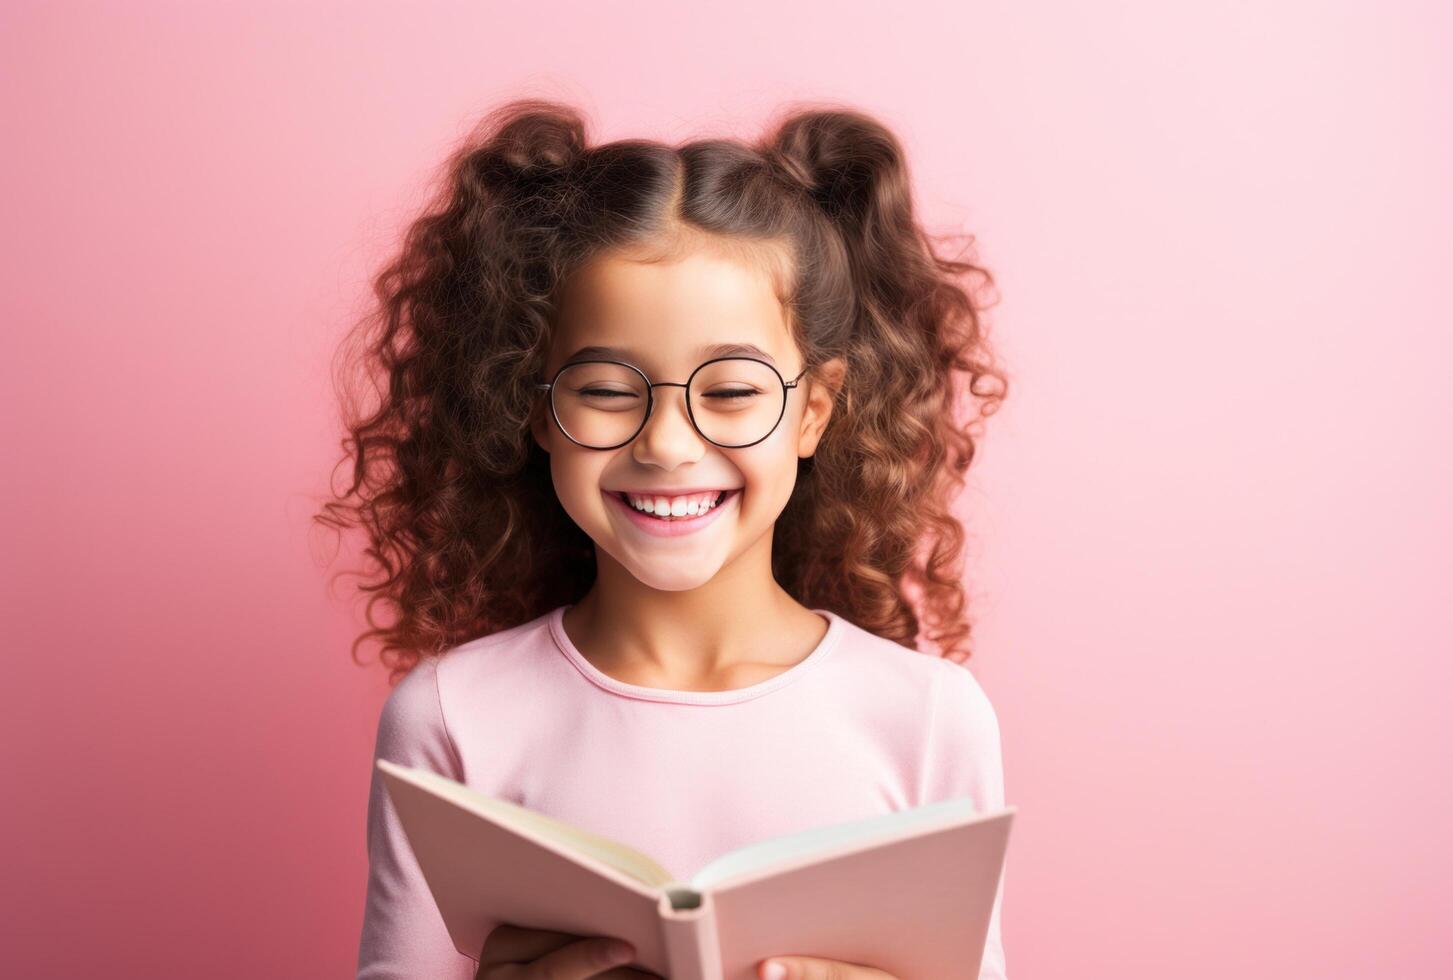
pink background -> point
(1211, 529)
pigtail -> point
(914, 352)
(464, 530)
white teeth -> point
(688, 506)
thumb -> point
(813, 968)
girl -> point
(664, 436)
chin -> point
(664, 578)
(672, 580)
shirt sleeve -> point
(403, 932)
(964, 758)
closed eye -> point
(605, 392)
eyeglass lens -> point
(734, 402)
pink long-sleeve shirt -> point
(862, 726)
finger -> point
(580, 960)
(816, 968)
(509, 943)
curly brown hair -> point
(463, 525)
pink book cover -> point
(908, 892)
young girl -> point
(665, 435)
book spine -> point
(689, 935)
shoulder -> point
(411, 726)
(884, 661)
(942, 697)
(413, 702)
(936, 684)
(961, 706)
(419, 712)
(964, 754)
(956, 729)
(490, 663)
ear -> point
(822, 388)
(540, 423)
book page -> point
(603, 849)
(775, 850)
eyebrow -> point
(708, 351)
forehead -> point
(670, 315)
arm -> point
(961, 758)
(403, 933)
(964, 758)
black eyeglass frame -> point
(651, 398)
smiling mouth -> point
(721, 498)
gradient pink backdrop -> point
(1210, 534)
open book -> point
(908, 892)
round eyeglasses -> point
(733, 402)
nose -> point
(668, 437)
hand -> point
(517, 953)
(813, 968)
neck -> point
(736, 617)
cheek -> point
(769, 478)
(577, 482)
